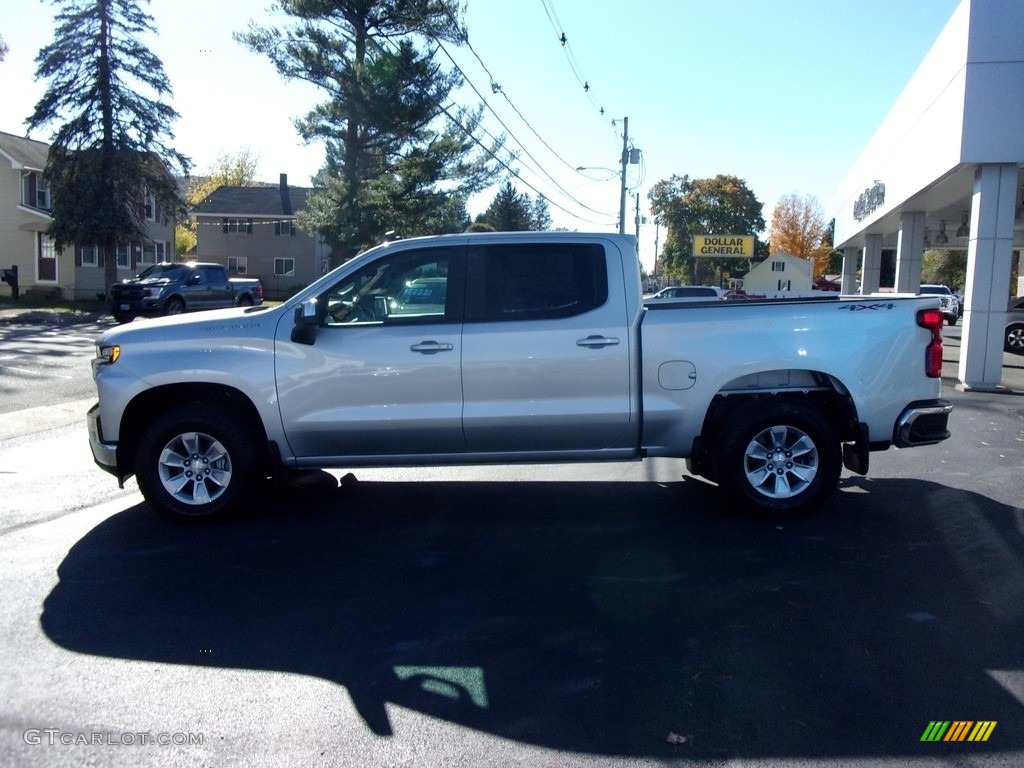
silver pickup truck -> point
(515, 347)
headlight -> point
(107, 354)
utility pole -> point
(657, 244)
(625, 162)
(638, 216)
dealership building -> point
(944, 170)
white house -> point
(779, 273)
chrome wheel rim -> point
(780, 462)
(195, 468)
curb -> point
(37, 316)
(42, 418)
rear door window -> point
(543, 281)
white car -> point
(1014, 340)
(691, 293)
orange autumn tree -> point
(799, 228)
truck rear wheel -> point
(778, 458)
(194, 462)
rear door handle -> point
(596, 341)
(431, 347)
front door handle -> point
(431, 347)
(596, 341)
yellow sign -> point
(724, 246)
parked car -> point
(691, 293)
(1014, 339)
(950, 303)
(187, 286)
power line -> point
(570, 55)
(512, 171)
(539, 166)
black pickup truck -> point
(189, 286)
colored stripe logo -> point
(958, 730)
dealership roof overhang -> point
(944, 170)
(963, 108)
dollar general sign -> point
(728, 246)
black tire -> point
(778, 458)
(195, 462)
(123, 317)
(174, 306)
(951, 320)
(245, 301)
(1013, 341)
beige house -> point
(252, 231)
(779, 273)
(25, 205)
(25, 217)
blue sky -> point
(782, 93)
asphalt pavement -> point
(585, 616)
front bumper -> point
(136, 306)
(922, 423)
(103, 453)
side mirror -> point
(195, 280)
(306, 322)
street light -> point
(614, 173)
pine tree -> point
(540, 214)
(110, 150)
(510, 211)
(397, 152)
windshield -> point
(939, 289)
(165, 272)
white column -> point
(871, 271)
(909, 253)
(849, 283)
(989, 255)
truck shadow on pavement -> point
(614, 618)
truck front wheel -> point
(174, 306)
(778, 458)
(194, 462)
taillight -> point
(932, 320)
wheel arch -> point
(176, 297)
(138, 415)
(796, 385)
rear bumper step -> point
(923, 423)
